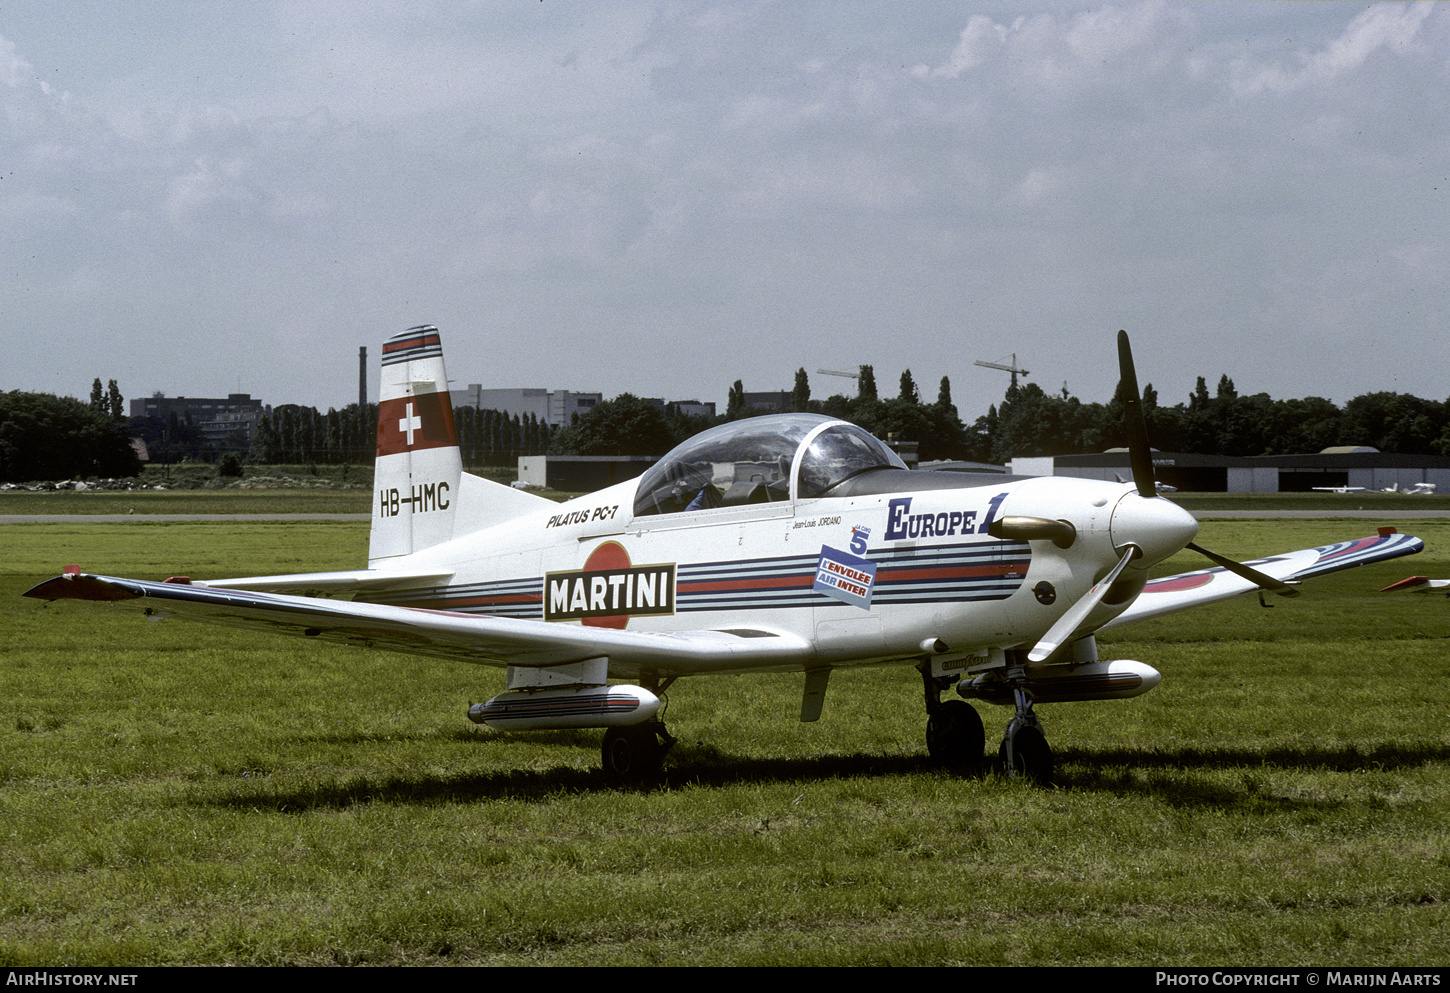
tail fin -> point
(419, 466)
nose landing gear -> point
(1024, 751)
(955, 737)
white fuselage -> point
(867, 578)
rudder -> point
(416, 477)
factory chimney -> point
(362, 377)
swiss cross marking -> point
(409, 423)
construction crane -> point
(833, 372)
(1005, 368)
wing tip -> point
(79, 586)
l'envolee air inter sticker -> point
(844, 576)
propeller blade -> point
(1060, 533)
(1254, 576)
(1077, 613)
(1139, 452)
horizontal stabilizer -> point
(483, 503)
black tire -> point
(631, 755)
(1031, 756)
(955, 737)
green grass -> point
(194, 488)
(146, 502)
(174, 793)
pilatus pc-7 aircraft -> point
(792, 542)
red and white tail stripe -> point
(419, 467)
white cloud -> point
(14, 70)
(980, 40)
(1384, 27)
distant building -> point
(683, 408)
(691, 408)
(905, 450)
(226, 423)
(768, 403)
(1364, 468)
(558, 407)
(554, 407)
(581, 473)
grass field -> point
(174, 793)
(143, 503)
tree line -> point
(1029, 422)
(48, 437)
(297, 435)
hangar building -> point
(1359, 467)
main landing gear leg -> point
(635, 754)
(1024, 751)
(954, 734)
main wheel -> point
(954, 735)
(1025, 753)
(631, 754)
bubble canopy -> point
(758, 460)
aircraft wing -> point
(474, 638)
(326, 584)
(1418, 584)
(1194, 589)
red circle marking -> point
(610, 555)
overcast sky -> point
(663, 197)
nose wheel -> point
(1024, 751)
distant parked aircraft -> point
(1160, 487)
(1418, 584)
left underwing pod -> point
(1117, 679)
(582, 707)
